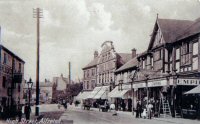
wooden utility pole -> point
(37, 13)
(69, 72)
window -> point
(185, 54)
(5, 58)
(20, 68)
(87, 84)
(178, 66)
(151, 62)
(195, 56)
(195, 63)
(185, 48)
(157, 55)
(195, 48)
(93, 72)
(177, 54)
(143, 64)
(4, 82)
(19, 88)
(88, 73)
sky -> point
(71, 30)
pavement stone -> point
(170, 120)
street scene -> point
(99, 62)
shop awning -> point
(102, 93)
(116, 93)
(94, 92)
(83, 95)
(195, 90)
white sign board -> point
(139, 85)
(157, 83)
(192, 82)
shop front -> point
(122, 97)
(183, 101)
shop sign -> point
(157, 83)
(192, 82)
(139, 85)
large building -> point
(90, 74)
(123, 91)
(171, 65)
(99, 73)
(11, 80)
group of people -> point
(62, 103)
(146, 109)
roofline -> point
(118, 71)
(10, 52)
(88, 67)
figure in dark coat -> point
(138, 109)
(27, 111)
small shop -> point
(98, 96)
(122, 97)
(82, 97)
(187, 97)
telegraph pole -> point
(69, 72)
(37, 13)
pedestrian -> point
(1, 111)
(123, 106)
(149, 110)
(65, 105)
(59, 105)
(139, 109)
(113, 109)
(27, 111)
(19, 112)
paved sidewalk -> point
(2, 122)
(170, 120)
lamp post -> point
(30, 85)
(132, 77)
(174, 75)
(147, 77)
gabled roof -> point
(130, 64)
(193, 29)
(125, 57)
(171, 29)
(92, 63)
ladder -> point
(164, 108)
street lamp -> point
(147, 77)
(120, 83)
(132, 77)
(30, 85)
(175, 76)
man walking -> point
(27, 111)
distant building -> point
(46, 91)
(59, 86)
(11, 80)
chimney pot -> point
(134, 53)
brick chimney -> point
(133, 52)
(96, 54)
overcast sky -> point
(72, 30)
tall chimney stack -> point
(133, 53)
(69, 72)
(96, 54)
